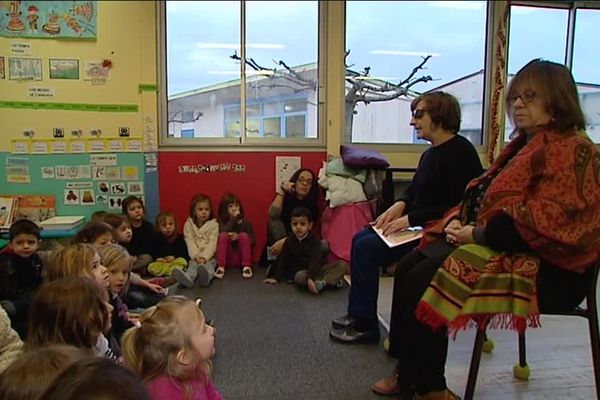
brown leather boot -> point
(389, 387)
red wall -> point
(255, 187)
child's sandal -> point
(219, 273)
(247, 272)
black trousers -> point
(420, 351)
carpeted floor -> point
(272, 343)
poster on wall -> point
(48, 19)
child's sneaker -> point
(220, 273)
(183, 278)
(203, 277)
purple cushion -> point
(362, 158)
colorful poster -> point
(48, 19)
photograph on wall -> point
(48, 19)
(117, 188)
(71, 197)
(1, 67)
(115, 202)
(103, 187)
(87, 197)
(135, 188)
(63, 68)
(24, 69)
(284, 169)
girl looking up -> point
(200, 232)
(170, 350)
(77, 260)
(236, 238)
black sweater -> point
(140, 239)
(440, 180)
(297, 255)
(160, 247)
(19, 277)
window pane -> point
(390, 38)
(585, 68)
(530, 37)
(281, 38)
(295, 126)
(272, 127)
(201, 76)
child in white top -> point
(170, 350)
(200, 232)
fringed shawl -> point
(550, 187)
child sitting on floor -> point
(96, 233)
(168, 248)
(236, 238)
(300, 258)
(141, 232)
(170, 350)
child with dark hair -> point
(168, 248)
(96, 233)
(20, 272)
(123, 235)
(300, 258)
(141, 232)
(236, 238)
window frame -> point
(242, 143)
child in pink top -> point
(170, 349)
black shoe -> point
(351, 335)
(342, 322)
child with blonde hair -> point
(70, 311)
(200, 232)
(168, 248)
(77, 260)
(170, 350)
(236, 238)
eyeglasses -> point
(304, 181)
(418, 113)
(526, 97)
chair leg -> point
(595, 342)
(521, 369)
(475, 359)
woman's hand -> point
(288, 187)
(276, 247)
(395, 225)
(312, 287)
(200, 260)
(459, 235)
(233, 236)
(392, 213)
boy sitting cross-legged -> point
(300, 258)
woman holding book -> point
(442, 174)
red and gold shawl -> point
(550, 186)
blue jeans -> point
(368, 254)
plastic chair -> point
(521, 370)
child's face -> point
(103, 239)
(233, 209)
(25, 244)
(99, 272)
(135, 211)
(301, 226)
(119, 275)
(167, 226)
(203, 339)
(123, 233)
(202, 211)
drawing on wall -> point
(99, 173)
(130, 173)
(117, 188)
(284, 169)
(1, 67)
(103, 187)
(63, 68)
(135, 188)
(42, 19)
(115, 202)
(113, 173)
(102, 199)
(48, 172)
(87, 197)
(95, 69)
(24, 69)
(71, 197)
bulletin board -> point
(81, 183)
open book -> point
(400, 237)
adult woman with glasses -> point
(443, 171)
(526, 236)
(301, 191)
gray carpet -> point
(272, 343)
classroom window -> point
(387, 39)
(203, 71)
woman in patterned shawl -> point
(523, 239)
